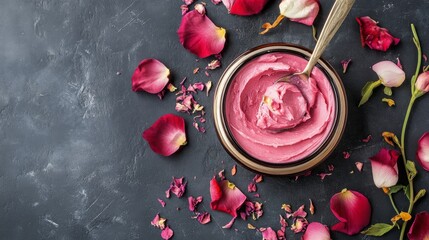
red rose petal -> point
(167, 233)
(373, 36)
(346, 155)
(200, 35)
(423, 151)
(419, 230)
(166, 135)
(150, 76)
(244, 7)
(385, 168)
(177, 187)
(226, 197)
(352, 209)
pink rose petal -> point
(200, 35)
(423, 151)
(158, 222)
(299, 225)
(268, 234)
(359, 166)
(345, 64)
(150, 76)
(389, 73)
(204, 218)
(166, 135)
(367, 139)
(167, 233)
(316, 231)
(177, 187)
(193, 202)
(161, 202)
(353, 211)
(251, 187)
(229, 224)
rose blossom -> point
(422, 82)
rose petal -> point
(359, 166)
(346, 155)
(345, 64)
(200, 8)
(188, 2)
(229, 224)
(214, 64)
(258, 178)
(200, 35)
(300, 212)
(204, 218)
(317, 231)
(158, 222)
(193, 202)
(226, 197)
(268, 234)
(419, 230)
(166, 135)
(352, 209)
(150, 76)
(367, 139)
(167, 233)
(184, 9)
(303, 11)
(423, 151)
(422, 82)
(251, 187)
(244, 7)
(199, 86)
(299, 225)
(177, 187)
(373, 36)
(161, 202)
(389, 73)
(216, 2)
(385, 168)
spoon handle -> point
(336, 16)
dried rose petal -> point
(398, 63)
(158, 222)
(166, 135)
(299, 225)
(423, 151)
(214, 64)
(268, 234)
(244, 7)
(216, 2)
(150, 76)
(177, 187)
(193, 202)
(161, 202)
(300, 212)
(200, 8)
(373, 36)
(346, 155)
(167, 233)
(204, 218)
(221, 174)
(258, 178)
(345, 63)
(323, 175)
(198, 86)
(353, 211)
(251, 187)
(311, 208)
(367, 139)
(331, 167)
(188, 2)
(359, 166)
(208, 87)
(385, 168)
(226, 197)
(184, 9)
(200, 35)
(286, 207)
(302, 11)
(317, 231)
(419, 230)
(250, 226)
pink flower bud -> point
(389, 73)
(422, 82)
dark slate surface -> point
(73, 163)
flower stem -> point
(393, 203)
(404, 128)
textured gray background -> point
(73, 163)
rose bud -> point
(385, 168)
(422, 82)
(352, 209)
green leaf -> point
(367, 91)
(419, 195)
(411, 167)
(396, 188)
(387, 91)
(407, 191)
(378, 229)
